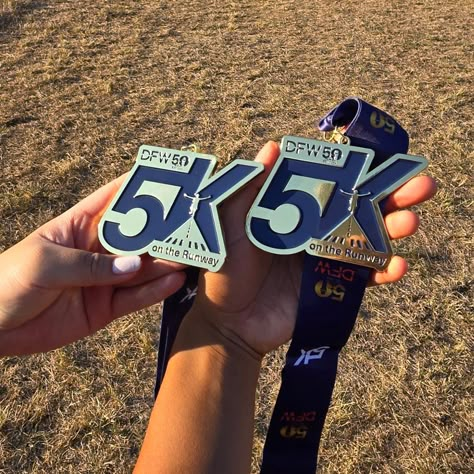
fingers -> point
(268, 156)
(415, 191)
(98, 200)
(128, 300)
(77, 268)
(56, 266)
(395, 271)
(401, 224)
(152, 269)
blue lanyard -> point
(175, 309)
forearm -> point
(202, 421)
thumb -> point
(268, 155)
(73, 267)
(235, 210)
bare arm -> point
(202, 421)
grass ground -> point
(83, 84)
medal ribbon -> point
(330, 296)
(324, 323)
(175, 309)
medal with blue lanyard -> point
(326, 199)
(322, 197)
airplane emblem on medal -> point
(320, 197)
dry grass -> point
(83, 84)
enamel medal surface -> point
(167, 207)
(324, 198)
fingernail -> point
(123, 265)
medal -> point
(167, 207)
(324, 198)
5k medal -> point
(167, 207)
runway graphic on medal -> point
(350, 232)
(188, 236)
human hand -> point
(253, 299)
(58, 284)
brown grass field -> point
(84, 84)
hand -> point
(58, 285)
(253, 299)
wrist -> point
(197, 332)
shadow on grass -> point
(11, 18)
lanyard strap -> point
(175, 309)
(330, 296)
